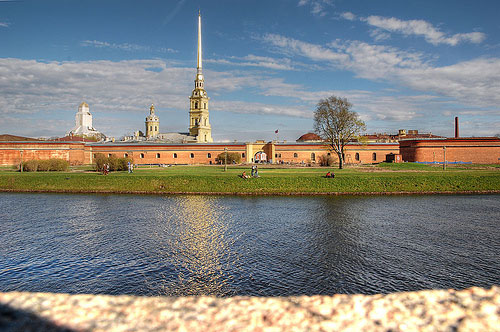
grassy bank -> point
(210, 179)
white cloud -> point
(424, 29)
(318, 7)
(4, 24)
(256, 61)
(474, 82)
(125, 46)
(120, 93)
(290, 46)
(261, 108)
(348, 16)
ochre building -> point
(152, 153)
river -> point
(260, 246)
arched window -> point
(157, 155)
(209, 155)
(356, 156)
(195, 105)
(156, 128)
(313, 156)
(205, 106)
(374, 156)
(243, 155)
(192, 155)
(109, 154)
(150, 128)
(295, 155)
(142, 155)
(125, 155)
(175, 155)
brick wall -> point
(484, 150)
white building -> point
(83, 123)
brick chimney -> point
(456, 127)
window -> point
(205, 106)
(209, 155)
(356, 156)
(192, 155)
(156, 128)
(195, 105)
(175, 155)
(243, 155)
(95, 155)
(275, 155)
(109, 154)
(313, 156)
(150, 128)
(157, 155)
(142, 155)
(374, 156)
(125, 155)
(328, 154)
(295, 155)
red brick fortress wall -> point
(76, 153)
(476, 150)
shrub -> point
(58, 165)
(45, 165)
(115, 164)
(99, 162)
(326, 160)
(30, 166)
(232, 157)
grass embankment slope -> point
(392, 178)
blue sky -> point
(403, 64)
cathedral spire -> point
(198, 67)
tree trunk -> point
(341, 161)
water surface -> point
(264, 246)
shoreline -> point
(139, 192)
(471, 309)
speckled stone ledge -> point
(473, 309)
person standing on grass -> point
(253, 170)
(256, 173)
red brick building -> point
(476, 150)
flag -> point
(276, 131)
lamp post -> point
(444, 156)
(21, 161)
(225, 159)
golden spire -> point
(199, 43)
(152, 109)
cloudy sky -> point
(403, 64)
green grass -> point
(193, 179)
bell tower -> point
(152, 123)
(199, 125)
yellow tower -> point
(199, 125)
(152, 123)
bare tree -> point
(336, 124)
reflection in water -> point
(198, 249)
